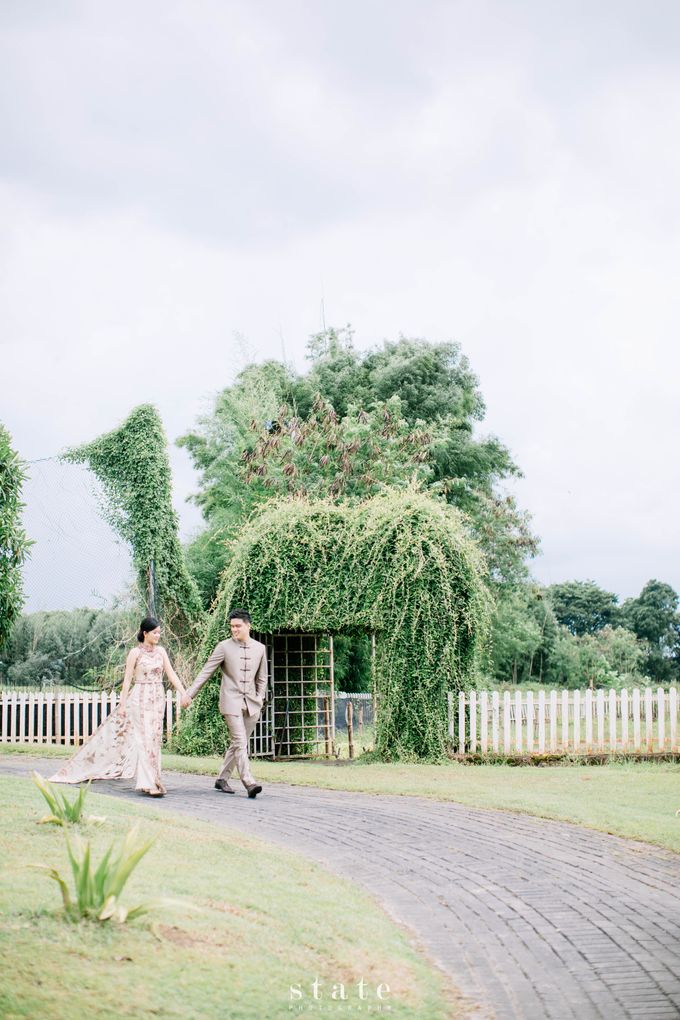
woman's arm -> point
(127, 680)
(170, 673)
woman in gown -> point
(128, 743)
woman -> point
(128, 743)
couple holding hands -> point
(128, 743)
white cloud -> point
(175, 175)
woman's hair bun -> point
(147, 624)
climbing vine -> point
(132, 465)
(14, 544)
(400, 565)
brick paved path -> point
(531, 918)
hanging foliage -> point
(14, 544)
(132, 464)
(400, 565)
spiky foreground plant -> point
(97, 889)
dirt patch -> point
(188, 940)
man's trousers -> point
(240, 728)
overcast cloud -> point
(175, 176)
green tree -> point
(623, 651)
(653, 616)
(14, 544)
(609, 657)
(516, 637)
(351, 457)
(583, 607)
(217, 447)
(523, 633)
(356, 421)
(433, 380)
(564, 667)
(437, 388)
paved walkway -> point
(533, 919)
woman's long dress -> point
(127, 747)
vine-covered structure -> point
(132, 464)
(14, 545)
(400, 566)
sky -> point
(189, 186)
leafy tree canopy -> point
(654, 617)
(325, 455)
(523, 633)
(83, 647)
(583, 607)
(609, 657)
(433, 380)
(574, 634)
(355, 422)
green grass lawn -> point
(267, 920)
(635, 799)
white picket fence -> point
(480, 722)
(37, 718)
(573, 722)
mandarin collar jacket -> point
(244, 676)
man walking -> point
(243, 662)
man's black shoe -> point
(223, 785)
(253, 790)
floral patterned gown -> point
(127, 747)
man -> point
(243, 662)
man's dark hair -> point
(240, 614)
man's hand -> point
(185, 700)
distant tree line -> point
(576, 634)
(81, 647)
